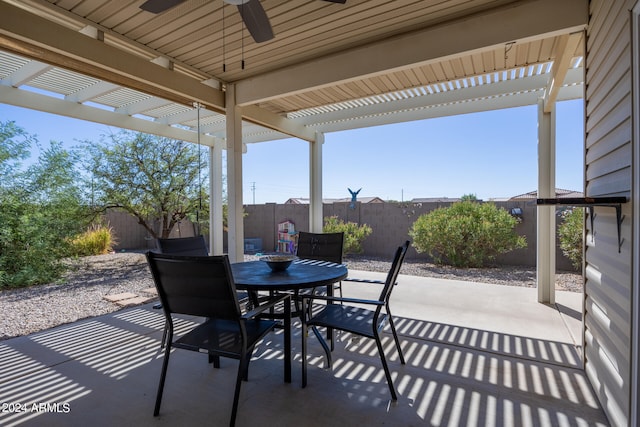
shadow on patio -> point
(475, 356)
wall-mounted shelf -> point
(590, 203)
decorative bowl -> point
(278, 262)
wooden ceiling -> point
(207, 34)
(328, 53)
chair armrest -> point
(267, 304)
(377, 282)
(350, 279)
(339, 299)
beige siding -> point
(608, 172)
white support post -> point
(546, 233)
(215, 200)
(315, 184)
(234, 177)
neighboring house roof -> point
(435, 200)
(560, 194)
(305, 201)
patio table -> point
(302, 274)
(254, 276)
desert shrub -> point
(30, 246)
(40, 205)
(354, 234)
(96, 240)
(466, 234)
(570, 233)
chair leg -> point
(242, 369)
(392, 389)
(245, 374)
(305, 333)
(163, 375)
(395, 336)
(164, 334)
(287, 340)
(330, 330)
(324, 345)
(215, 360)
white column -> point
(315, 184)
(234, 177)
(215, 199)
(546, 234)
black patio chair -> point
(328, 247)
(204, 286)
(194, 246)
(366, 322)
(321, 247)
(188, 246)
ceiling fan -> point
(253, 14)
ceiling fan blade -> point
(158, 6)
(256, 20)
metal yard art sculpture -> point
(354, 195)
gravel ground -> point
(81, 294)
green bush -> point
(97, 240)
(466, 234)
(570, 233)
(41, 205)
(354, 234)
(31, 249)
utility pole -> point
(253, 190)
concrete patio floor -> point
(477, 355)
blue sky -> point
(490, 154)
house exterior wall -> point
(608, 172)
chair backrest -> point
(197, 286)
(321, 246)
(194, 246)
(392, 276)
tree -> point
(354, 234)
(14, 148)
(41, 208)
(571, 233)
(158, 180)
(466, 234)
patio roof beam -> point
(520, 21)
(139, 107)
(35, 101)
(28, 72)
(34, 37)
(100, 89)
(502, 94)
(446, 110)
(262, 117)
(563, 54)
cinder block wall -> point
(132, 236)
(390, 223)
